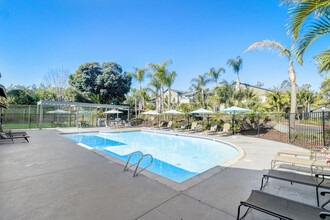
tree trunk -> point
(162, 97)
(237, 83)
(169, 99)
(292, 76)
(203, 97)
(135, 108)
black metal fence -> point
(311, 130)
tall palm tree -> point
(160, 72)
(169, 80)
(237, 65)
(215, 74)
(317, 25)
(139, 75)
(292, 74)
(134, 95)
(156, 84)
(199, 83)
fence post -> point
(289, 114)
(323, 129)
(258, 124)
(29, 116)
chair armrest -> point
(323, 215)
(323, 193)
(322, 175)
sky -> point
(37, 36)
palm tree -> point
(160, 72)
(275, 99)
(169, 80)
(215, 74)
(199, 83)
(237, 65)
(156, 84)
(134, 95)
(318, 26)
(139, 75)
(292, 74)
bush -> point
(137, 121)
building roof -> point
(248, 85)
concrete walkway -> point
(53, 178)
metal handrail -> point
(137, 166)
(126, 168)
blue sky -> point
(37, 36)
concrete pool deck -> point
(53, 178)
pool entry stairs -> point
(137, 164)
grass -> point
(26, 126)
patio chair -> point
(305, 162)
(281, 208)
(160, 125)
(169, 125)
(311, 154)
(193, 126)
(213, 129)
(198, 128)
(4, 136)
(317, 181)
(183, 126)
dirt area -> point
(272, 134)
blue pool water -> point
(175, 157)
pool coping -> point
(161, 179)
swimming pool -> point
(176, 157)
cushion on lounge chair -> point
(281, 207)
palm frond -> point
(319, 28)
(323, 61)
(267, 44)
(300, 12)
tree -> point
(108, 81)
(139, 75)
(285, 84)
(292, 74)
(20, 97)
(259, 84)
(275, 99)
(236, 65)
(199, 84)
(317, 26)
(58, 80)
(156, 84)
(215, 74)
(169, 80)
(160, 72)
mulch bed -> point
(274, 135)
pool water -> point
(175, 157)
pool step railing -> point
(136, 172)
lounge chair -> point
(311, 154)
(183, 126)
(213, 129)
(281, 208)
(198, 128)
(169, 125)
(300, 161)
(193, 126)
(160, 125)
(4, 136)
(317, 181)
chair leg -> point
(238, 212)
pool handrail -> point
(127, 168)
(137, 166)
